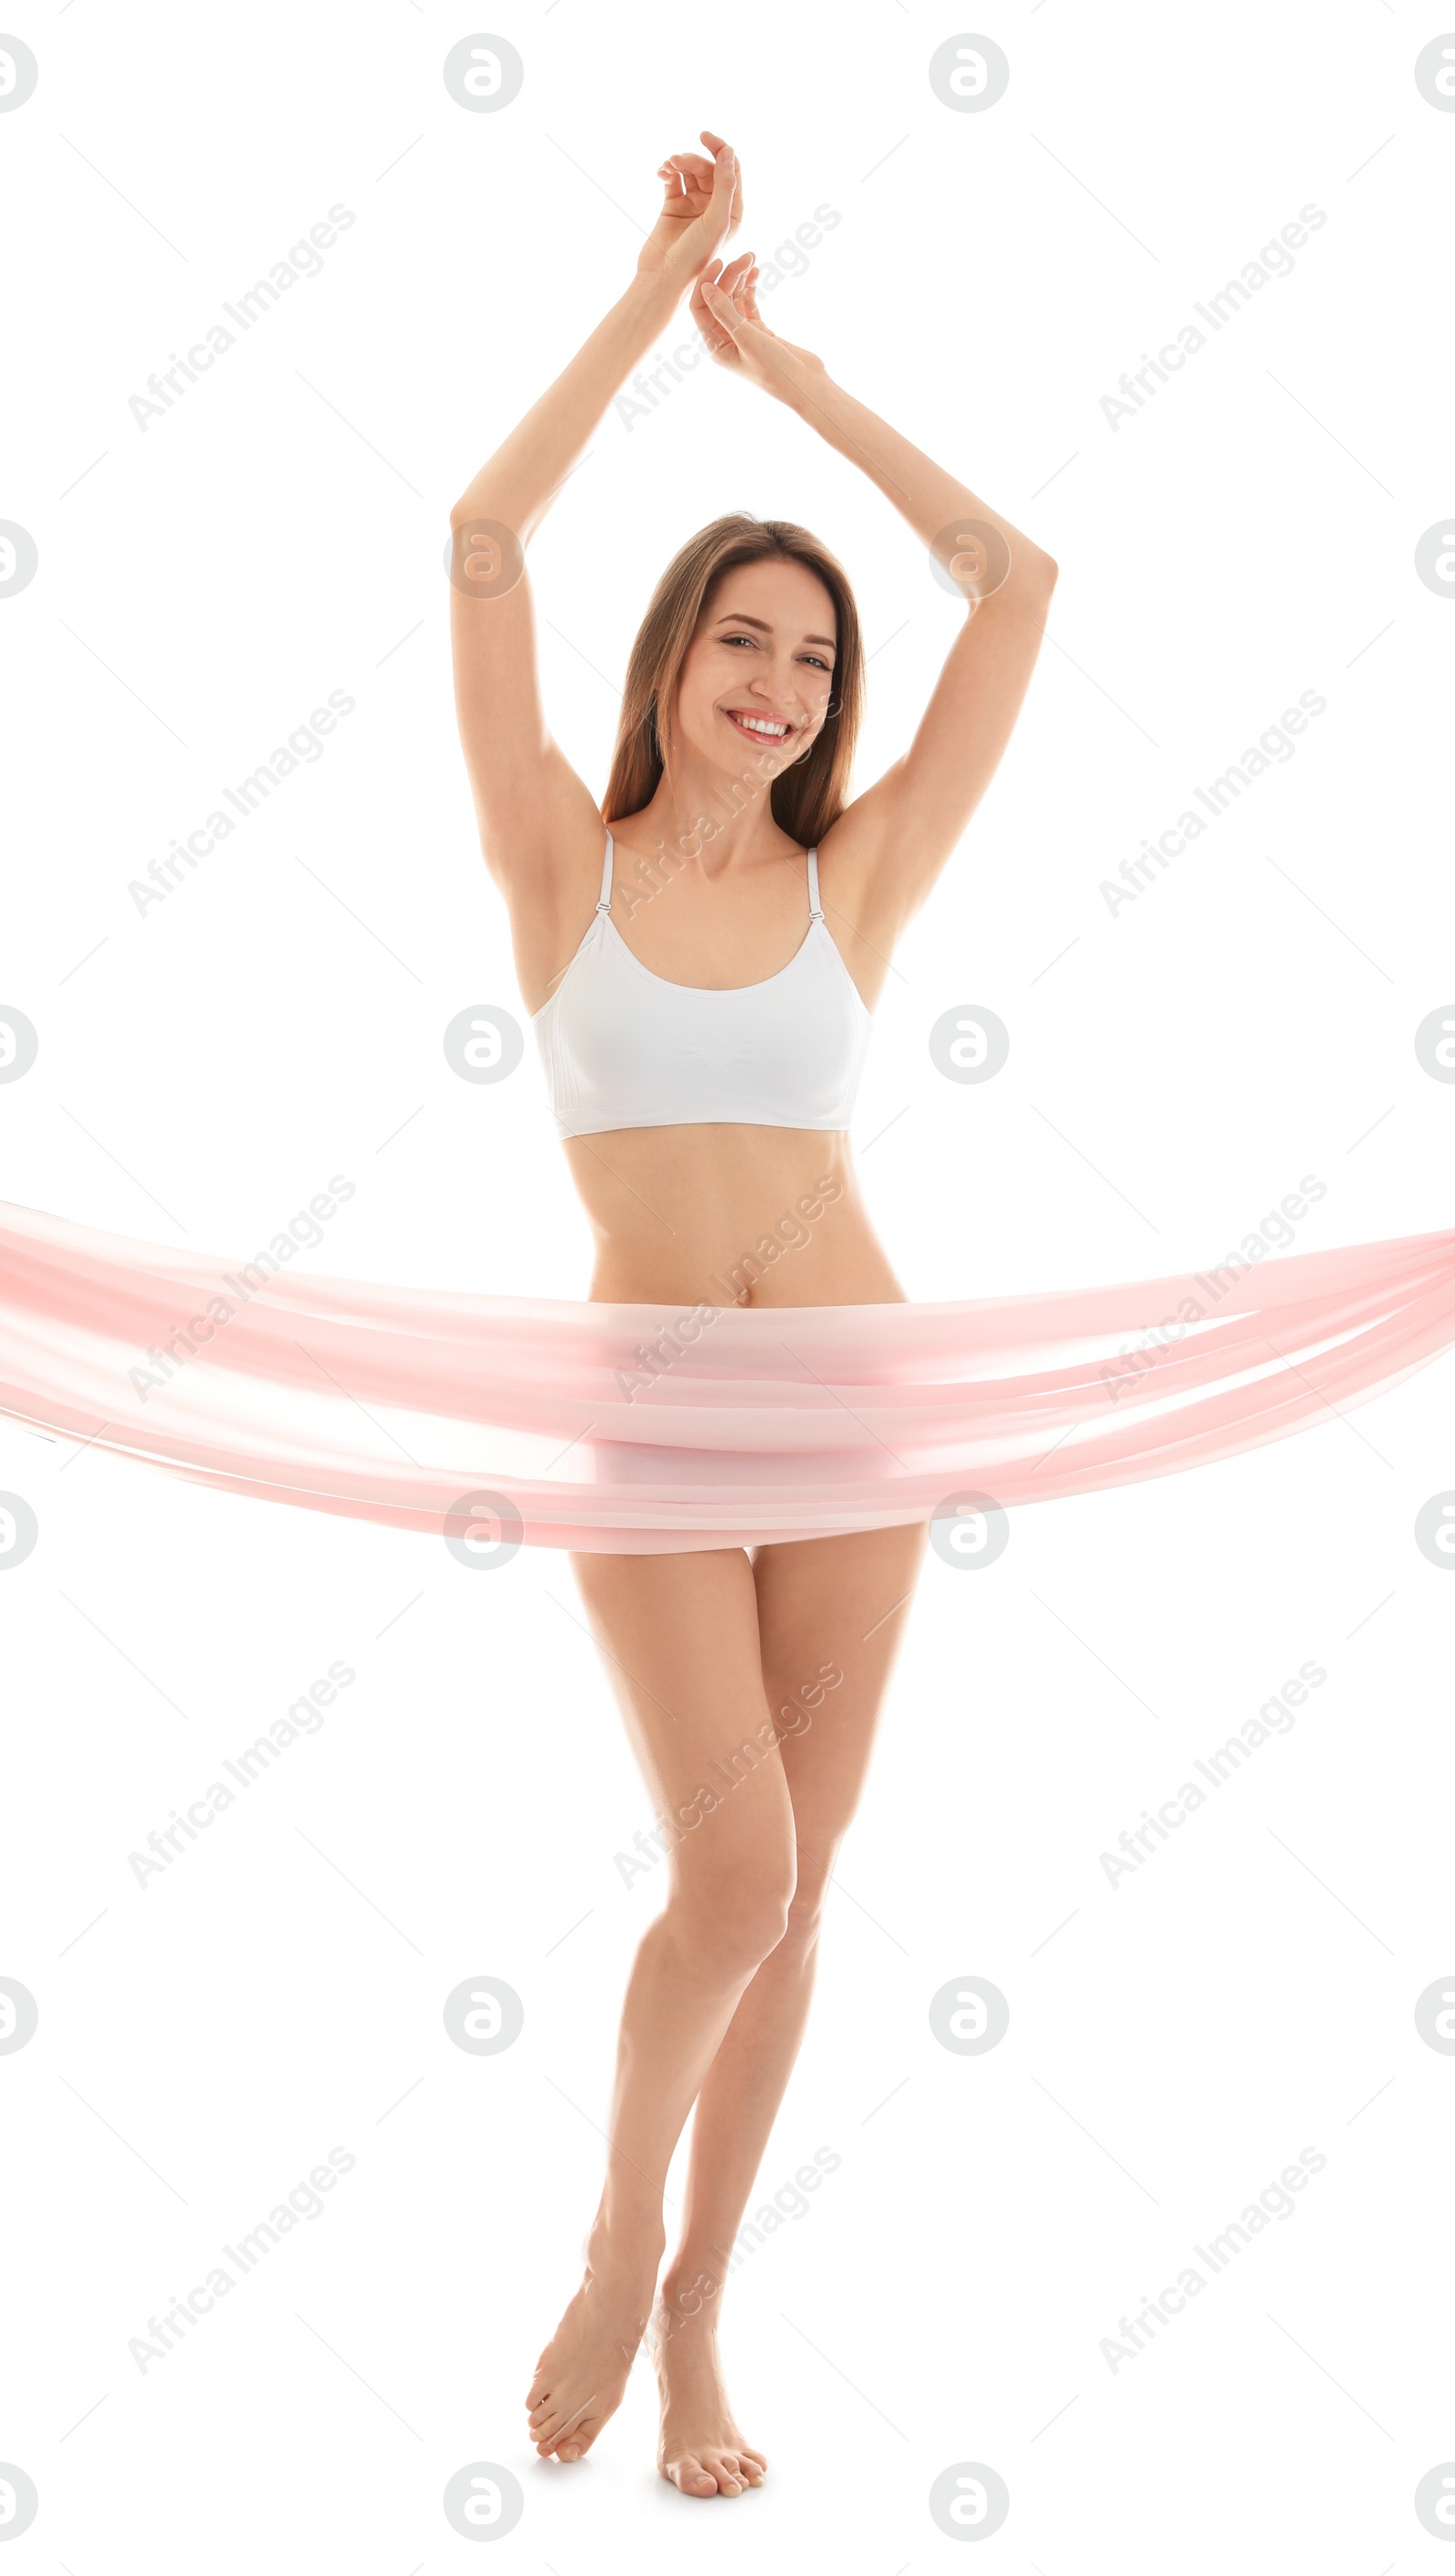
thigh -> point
(831, 1615)
(679, 1634)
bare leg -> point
(816, 1601)
(680, 1634)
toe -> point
(724, 2468)
(579, 2438)
(572, 2433)
(690, 2475)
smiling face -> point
(758, 673)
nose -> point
(780, 690)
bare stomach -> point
(718, 1216)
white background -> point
(1174, 2042)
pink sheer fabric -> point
(637, 1429)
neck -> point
(717, 816)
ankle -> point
(620, 2242)
(690, 2290)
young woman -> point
(701, 976)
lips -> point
(757, 729)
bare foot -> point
(582, 2374)
(701, 2450)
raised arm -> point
(529, 800)
(892, 842)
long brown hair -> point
(812, 792)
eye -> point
(738, 639)
(818, 662)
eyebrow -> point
(731, 618)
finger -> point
(718, 319)
(732, 283)
(724, 180)
(695, 303)
(724, 301)
(723, 312)
(689, 165)
(715, 145)
(683, 195)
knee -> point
(801, 1930)
(805, 1912)
(728, 1927)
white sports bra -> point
(622, 1047)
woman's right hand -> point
(725, 310)
(701, 208)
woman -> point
(701, 976)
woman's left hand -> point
(725, 309)
(702, 206)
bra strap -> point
(815, 909)
(604, 904)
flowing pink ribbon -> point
(647, 1428)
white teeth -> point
(759, 724)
